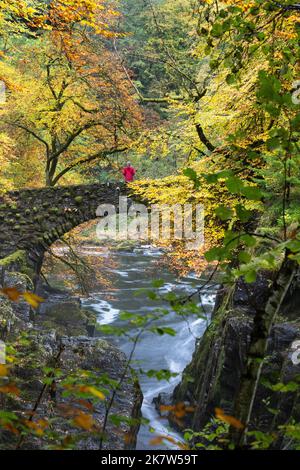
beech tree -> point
(72, 97)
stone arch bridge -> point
(32, 219)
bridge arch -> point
(33, 219)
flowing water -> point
(136, 269)
(129, 271)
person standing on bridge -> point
(129, 173)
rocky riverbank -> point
(212, 378)
(49, 339)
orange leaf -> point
(159, 440)
(11, 428)
(179, 410)
(84, 421)
(228, 419)
(156, 440)
(37, 426)
(85, 404)
(12, 293)
(10, 388)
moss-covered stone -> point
(66, 318)
(18, 256)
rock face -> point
(87, 355)
(212, 378)
(64, 313)
(90, 359)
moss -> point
(19, 256)
(54, 210)
(78, 199)
(47, 238)
(18, 261)
(66, 318)
(7, 317)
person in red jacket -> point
(128, 173)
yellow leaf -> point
(33, 299)
(92, 391)
(3, 370)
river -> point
(128, 271)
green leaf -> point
(294, 245)
(248, 240)
(273, 143)
(163, 330)
(192, 175)
(244, 257)
(126, 316)
(157, 283)
(242, 213)
(231, 79)
(162, 374)
(250, 276)
(152, 295)
(214, 254)
(251, 192)
(214, 177)
(217, 30)
(224, 213)
(234, 185)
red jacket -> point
(128, 173)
